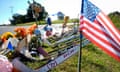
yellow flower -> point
(6, 35)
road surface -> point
(11, 28)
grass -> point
(30, 23)
(43, 22)
(93, 60)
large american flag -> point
(99, 29)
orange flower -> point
(31, 29)
(20, 31)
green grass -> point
(31, 23)
(44, 22)
(93, 60)
(61, 21)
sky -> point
(70, 8)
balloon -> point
(5, 65)
(48, 28)
(49, 21)
(37, 32)
(48, 33)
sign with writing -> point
(52, 64)
(61, 58)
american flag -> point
(99, 29)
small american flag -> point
(99, 29)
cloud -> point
(107, 6)
(68, 7)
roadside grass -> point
(69, 21)
(93, 60)
(39, 23)
(30, 23)
(44, 22)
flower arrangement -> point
(6, 35)
(31, 29)
(20, 32)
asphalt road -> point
(8, 29)
(11, 28)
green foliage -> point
(57, 21)
(17, 18)
(69, 21)
(115, 17)
(41, 15)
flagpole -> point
(80, 53)
(80, 50)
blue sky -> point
(68, 7)
(6, 7)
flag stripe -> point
(81, 22)
(99, 42)
(109, 26)
(99, 28)
(102, 39)
(100, 34)
(107, 47)
(102, 45)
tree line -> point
(35, 12)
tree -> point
(36, 11)
(17, 18)
(115, 17)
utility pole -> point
(11, 9)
